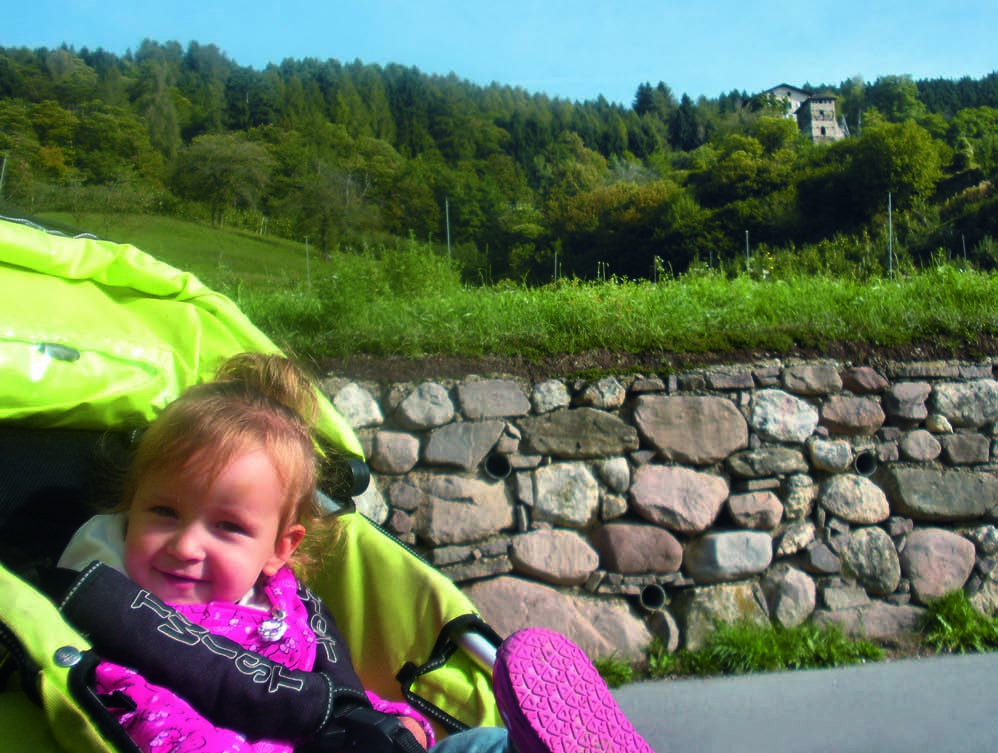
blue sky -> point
(577, 49)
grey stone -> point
(612, 506)
(578, 433)
(666, 629)
(678, 498)
(756, 510)
(920, 446)
(831, 456)
(427, 406)
(820, 559)
(749, 485)
(790, 595)
(485, 567)
(726, 556)
(767, 376)
(404, 496)
(633, 548)
(794, 538)
(699, 610)
(889, 433)
(875, 621)
(615, 473)
(447, 555)
(938, 424)
(464, 444)
(606, 393)
(870, 558)
(767, 461)
(984, 538)
(394, 452)
(780, 417)
(941, 495)
(550, 395)
(560, 557)
(887, 452)
(905, 405)
(863, 379)
(457, 510)
(565, 494)
(601, 628)
(966, 449)
(971, 404)
(936, 562)
(899, 527)
(399, 522)
(836, 597)
(852, 415)
(698, 430)
(812, 378)
(371, 504)
(855, 499)
(984, 598)
(521, 462)
(730, 378)
(924, 370)
(492, 398)
(799, 494)
(970, 371)
(508, 444)
(357, 406)
(647, 384)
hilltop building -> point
(815, 115)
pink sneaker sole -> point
(554, 701)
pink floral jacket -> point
(162, 722)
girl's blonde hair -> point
(257, 401)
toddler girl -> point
(215, 506)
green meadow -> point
(410, 300)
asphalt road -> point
(944, 704)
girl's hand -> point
(415, 728)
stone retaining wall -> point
(627, 507)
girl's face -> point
(190, 541)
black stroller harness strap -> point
(447, 643)
(230, 686)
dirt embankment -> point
(397, 369)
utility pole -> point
(447, 218)
(308, 267)
(890, 238)
(3, 172)
(748, 255)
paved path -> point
(945, 704)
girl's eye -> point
(229, 527)
(162, 511)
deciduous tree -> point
(222, 171)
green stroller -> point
(95, 339)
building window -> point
(823, 130)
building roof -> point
(797, 89)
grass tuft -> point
(953, 625)
(615, 672)
(746, 647)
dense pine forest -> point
(513, 184)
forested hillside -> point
(521, 185)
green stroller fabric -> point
(99, 335)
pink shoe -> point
(553, 700)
